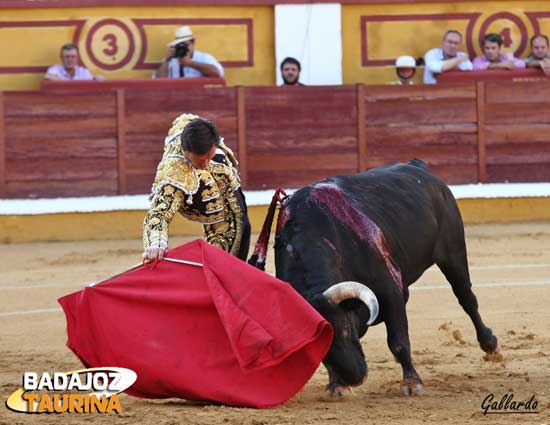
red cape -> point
(224, 332)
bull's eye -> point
(279, 243)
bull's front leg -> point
(395, 317)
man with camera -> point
(183, 60)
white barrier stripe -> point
(419, 288)
(20, 312)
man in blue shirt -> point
(448, 58)
(183, 60)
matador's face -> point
(201, 161)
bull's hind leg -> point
(455, 268)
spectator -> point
(290, 71)
(493, 58)
(69, 68)
(446, 59)
(182, 60)
(405, 68)
(540, 56)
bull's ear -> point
(363, 315)
(321, 304)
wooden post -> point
(241, 133)
(121, 141)
(361, 129)
(3, 188)
(481, 160)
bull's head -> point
(350, 307)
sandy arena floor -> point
(510, 265)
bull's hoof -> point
(412, 387)
(489, 343)
(336, 392)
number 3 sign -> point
(110, 44)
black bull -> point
(376, 232)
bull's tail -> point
(260, 249)
(418, 163)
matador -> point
(198, 177)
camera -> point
(181, 50)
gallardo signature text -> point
(507, 404)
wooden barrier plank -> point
(298, 142)
(301, 115)
(481, 119)
(61, 188)
(52, 146)
(268, 179)
(408, 134)
(278, 161)
(61, 169)
(519, 113)
(121, 141)
(455, 174)
(421, 92)
(514, 153)
(438, 111)
(192, 100)
(432, 154)
(68, 126)
(83, 104)
(518, 173)
(241, 132)
(517, 133)
(499, 92)
(140, 183)
(361, 129)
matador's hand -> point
(153, 253)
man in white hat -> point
(405, 67)
(182, 60)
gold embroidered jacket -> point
(204, 196)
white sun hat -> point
(182, 34)
(405, 62)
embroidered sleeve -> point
(164, 206)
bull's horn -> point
(347, 290)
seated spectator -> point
(182, 60)
(540, 56)
(448, 58)
(69, 68)
(290, 71)
(405, 68)
(493, 58)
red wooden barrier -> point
(60, 145)
(146, 83)
(149, 115)
(435, 123)
(296, 135)
(105, 142)
(527, 74)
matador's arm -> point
(164, 206)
